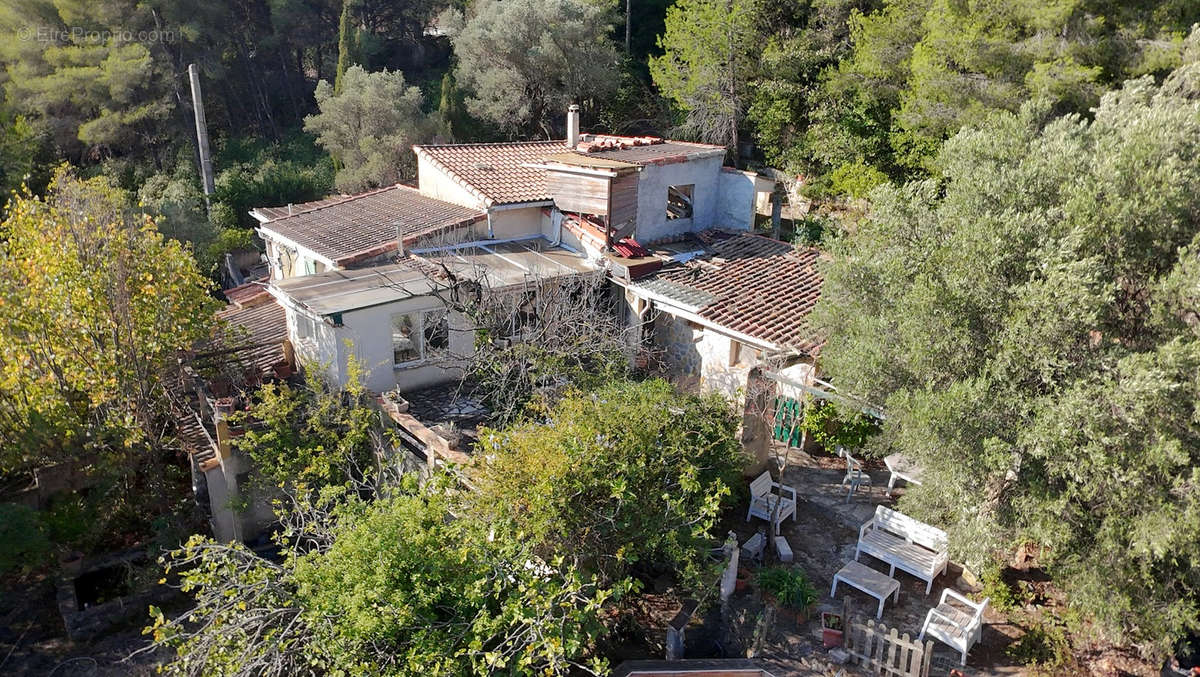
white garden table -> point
(901, 468)
(875, 583)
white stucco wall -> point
(367, 334)
(432, 182)
(516, 222)
(653, 182)
(735, 207)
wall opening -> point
(679, 201)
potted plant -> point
(743, 579)
(832, 630)
(394, 402)
(789, 588)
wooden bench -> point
(870, 581)
(766, 504)
(904, 543)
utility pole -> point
(206, 170)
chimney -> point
(572, 126)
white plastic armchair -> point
(954, 626)
(855, 476)
(767, 500)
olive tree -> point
(1029, 323)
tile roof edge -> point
(422, 146)
(421, 151)
(335, 202)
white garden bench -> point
(763, 500)
(904, 543)
(953, 625)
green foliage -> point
(1044, 647)
(309, 437)
(23, 541)
(831, 426)
(789, 585)
(401, 588)
(928, 69)
(708, 56)
(629, 477)
(369, 128)
(258, 174)
(455, 603)
(18, 144)
(1027, 326)
(524, 62)
(97, 306)
(856, 179)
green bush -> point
(855, 179)
(23, 542)
(789, 585)
(627, 479)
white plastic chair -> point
(855, 476)
(763, 500)
(952, 625)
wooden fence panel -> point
(881, 651)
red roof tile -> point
(498, 173)
(753, 285)
(355, 226)
(495, 172)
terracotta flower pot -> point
(742, 582)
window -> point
(306, 327)
(437, 333)
(679, 201)
(419, 336)
(405, 347)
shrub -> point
(856, 179)
(789, 585)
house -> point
(353, 230)
(724, 303)
(394, 319)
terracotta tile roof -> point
(494, 172)
(749, 284)
(660, 153)
(249, 340)
(497, 173)
(360, 226)
(251, 336)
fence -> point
(881, 651)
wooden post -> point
(206, 170)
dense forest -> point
(1009, 193)
(846, 93)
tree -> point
(309, 437)
(525, 61)
(98, 305)
(627, 478)
(369, 128)
(391, 587)
(926, 69)
(1029, 325)
(707, 61)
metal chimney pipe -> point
(572, 126)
